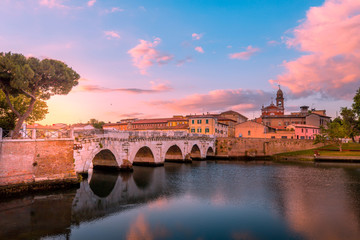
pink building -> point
(303, 131)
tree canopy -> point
(8, 118)
(36, 79)
(96, 123)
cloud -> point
(96, 88)
(129, 115)
(91, 3)
(196, 36)
(144, 55)
(111, 34)
(218, 100)
(273, 43)
(244, 55)
(329, 37)
(116, 9)
(199, 49)
(52, 3)
(112, 10)
(183, 61)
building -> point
(237, 117)
(273, 115)
(176, 123)
(121, 126)
(252, 129)
(272, 109)
(207, 124)
(82, 126)
(304, 131)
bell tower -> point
(280, 98)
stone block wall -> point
(234, 147)
(26, 161)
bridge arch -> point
(210, 152)
(104, 158)
(195, 152)
(174, 154)
(144, 156)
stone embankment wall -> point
(28, 161)
(238, 147)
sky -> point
(159, 58)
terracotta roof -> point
(303, 126)
(114, 124)
(81, 124)
(233, 112)
(159, 120)
(177, 127)
(225, 119)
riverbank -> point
(329, 153)
(16, 190)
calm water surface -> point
(203, 200)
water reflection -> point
(203, 200)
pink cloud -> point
(91, 3)
(52, 3)
(330, 37)
(199, 49)
(244, 55)
(116, 9)
(144, 55)
(273, 43)
(155, 88)
(196, 36)
(111, 35)
(218, 100)
(183, 61)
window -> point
(207, 129)
(199, 121)
(207, 121)
(272, 136)
(302, 130)
(284, 137)
(302, 137)
(249, 133)
(199, 130)
(193, 130)
(193, 121)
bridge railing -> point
(134, 134)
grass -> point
(345, 146)
(323, 152)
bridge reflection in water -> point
(202, 199)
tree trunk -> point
(340, 146)
(22, 118)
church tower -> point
(280, 99)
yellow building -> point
(207, 124)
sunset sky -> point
(158, 58)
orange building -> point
(252, 129)
(176, 123)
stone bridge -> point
(115, 149)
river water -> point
(202, 200)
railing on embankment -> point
(36, 156)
